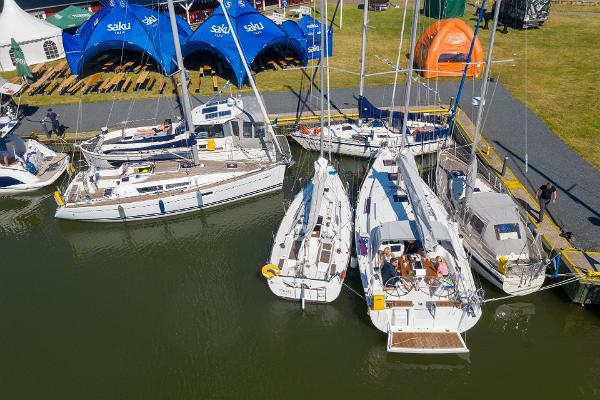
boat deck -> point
(426, 340)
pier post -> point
(504, 166)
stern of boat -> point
(426, 342)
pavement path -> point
(577, 208)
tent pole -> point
(397, 69)
(187, 107)
(321, 75)
(261, 104)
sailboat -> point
(495, 230)
(153, 189)
(422, 307)
(25, 164)
(312, 246)
(223, 130)
(377, 128)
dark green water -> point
(177, 309)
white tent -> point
(39, 40)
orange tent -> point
(443, 48)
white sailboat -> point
(423, 307)
(153, 189)
(223, 130)
(495, 230)
(313, 243)
(427, 132)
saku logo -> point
(119, 27)
(253, 27)
(149, 20)
(219, 29)
(311, 26)
(312, 49)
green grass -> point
(554, 70)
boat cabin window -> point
(362, 138)
(216, 131)
(7, 181)
(377, 123)
(389, 163)
(259, 130)
(149, 189)
(175, 185)
(235, 128)
(401, 198)
(393, 176)
(347, 128)
(247, 129)
(477, 224)
(208, 110)
(507, 231)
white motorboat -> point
(495, 231)
(312, 246)
(27, 165)
(420, 310)
(427, 134)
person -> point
(545, 194)
(4, 151)
(388, 272)
(410, 247)
(442, 268)
(387, 255)
(53, 117)
(165, 128)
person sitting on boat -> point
(442, 268)
(410, 247)
(387, 255)
(389, 272)
(163, 129)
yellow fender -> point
(269, 271)
(502, 265)
(59, 199)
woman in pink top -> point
(442, 268)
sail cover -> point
(311, 213)
(366, 110)
(414, 190)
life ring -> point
(316, 131)
(304, 130)
(269, 271)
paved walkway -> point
(578, 206)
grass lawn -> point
(554, 68)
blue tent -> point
(312, 32)
(255, 32)
(119, 25)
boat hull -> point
(262, 182)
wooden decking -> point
(426, 340)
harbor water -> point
(178, 309)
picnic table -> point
(141, 79)
(74, 88)
(66, 83)
(58, 68)
(94, 79)
(38, 68)
(114, 81)
(124, 67)
(35, 85)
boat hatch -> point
(426, 342)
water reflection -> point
(20, 213)
(513, 317)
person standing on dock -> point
(53, 118)
(545, 194)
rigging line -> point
(551, 286)
(354, 291)
(396, 67)
(525, 105)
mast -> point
(363, 52)
(413, 39)
(187, 107)
(472, 174)
(261, 104)
(397, 66)
(321, 75)
(329, 30)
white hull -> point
(267, 180)
(361, 149)
(313, 264)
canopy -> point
(312, 32)
(255, 32)
(39, 40)
(123, 26)
(443, 48)
(70, 17)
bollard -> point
(451, 102)
(504, 166)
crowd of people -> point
(404, 266)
